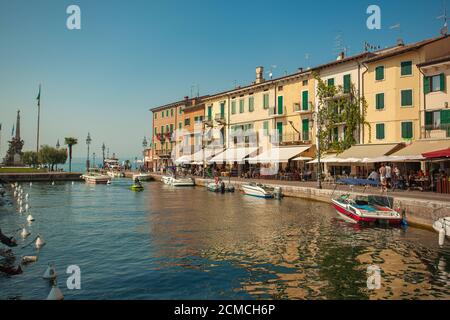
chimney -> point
(341, 56)
(300, 69)
(259, 75)
(400, 42)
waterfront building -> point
(393, 88)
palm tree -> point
(70, 142)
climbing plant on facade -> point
(339, 107)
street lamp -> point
(93, 160)
(103, 153)
(319, 165)
(88, 142)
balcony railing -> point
(292, 138)
(277, 112)
(208, 121)
(440, 130)
(220, 117)
(298, 107)
(163, 152)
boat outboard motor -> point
(277, 193)
(222, 187)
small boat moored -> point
(442, 226)
(143, 176)
(364, 209)
(182, 182)
(258, 190)
(95, 177)
(219, 186)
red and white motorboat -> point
(363, 209)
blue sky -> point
(132, 55)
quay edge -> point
(40, 177)
(418, 212)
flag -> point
(39, 96)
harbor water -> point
(188, 243)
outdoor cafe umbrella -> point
(437, 154)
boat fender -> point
(39, 242)
(25, 233)
(29, 259)
(441, 236)
(55, 293)
(50, 272)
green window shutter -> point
(426, 85)
(406, 97)
(280, 130)
(305, 102)
(407, 130)
(156, 130)
(406, 68)
(347, 83)
(171, 112)
(266, 128)
(209, 113)
(379, 101)
(162, 129)
(330, 82)
(266, 101)
(428, 118)
(180, 125)
(380, 131)
(280, 105)
(241, 106)
(233, 107)
(379, 73)
(171, 128)
(443, 84)
(445, 116)
(251, 106)
(222, 110)
(305, 129)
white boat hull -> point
(101, 179)
(183, 182)
(443, 223)
(257, 191)
(142, 177)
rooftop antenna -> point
(444, 29)
(270, 72)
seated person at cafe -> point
(374, 176)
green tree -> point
(30, 158)
(51, 156)
(336, 107)
(70, 142)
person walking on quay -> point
(383, 177)
(388, 175)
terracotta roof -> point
(177, 104)
(402, 49)
(434, 61)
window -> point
(162, 129)
(330, 82)
(305, 82)
(266, 101)
(266, 128)
(156, 131)
(162, 114)
(180, 110)
(180, 125)
(233, 107)
(171, 112)
(251, 102)
(347, 83)
(379, 73)
(406, 68)
(156, 115)
(187, 121)
(407, 98)
(167, 128)
(380, 131)
(379, 101)
(241, 106)
(167, 113)
(335, 134)
(210, 113)
(407, 130)
(280, 88)
(434, 83)
(171, 127)
(305, 102)
(195, 119)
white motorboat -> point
(115, 174)
(442, 225)
(182, 182)
(258, 190)
(143, 176)
(166, 179)
(95, 177)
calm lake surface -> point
(169, 243)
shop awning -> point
(207, 154)
(232, 155)
(437, 154)
(184, 159)
(324, 159)
(415, 150)
(362, 151)
(302, 159)
(279, 154)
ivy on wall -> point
(336, 109)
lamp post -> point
(103, 154)
(319, 165)
(88, 142)
(93, 159)
(144, 146)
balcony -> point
(163, 153)
(292, 139)
(220, 118)
(277, 112)
(436, 131)
(298, 108)
(208, 121)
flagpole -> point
(39, 115)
